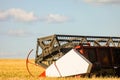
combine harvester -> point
(72, 55)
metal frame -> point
(55, 46)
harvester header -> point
(102, 53)
(57, 45)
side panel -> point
(105, 56)
(72, 63)
(116, 56)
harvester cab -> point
(60, 53)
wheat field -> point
(15, 69)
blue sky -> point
(23, 21)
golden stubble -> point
(15, 69)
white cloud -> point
(3, 15)
(24, 16)
(19, 33)
(18, 14)
(6, 54)
(10, 54)
(103, 1)
(55, 18)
